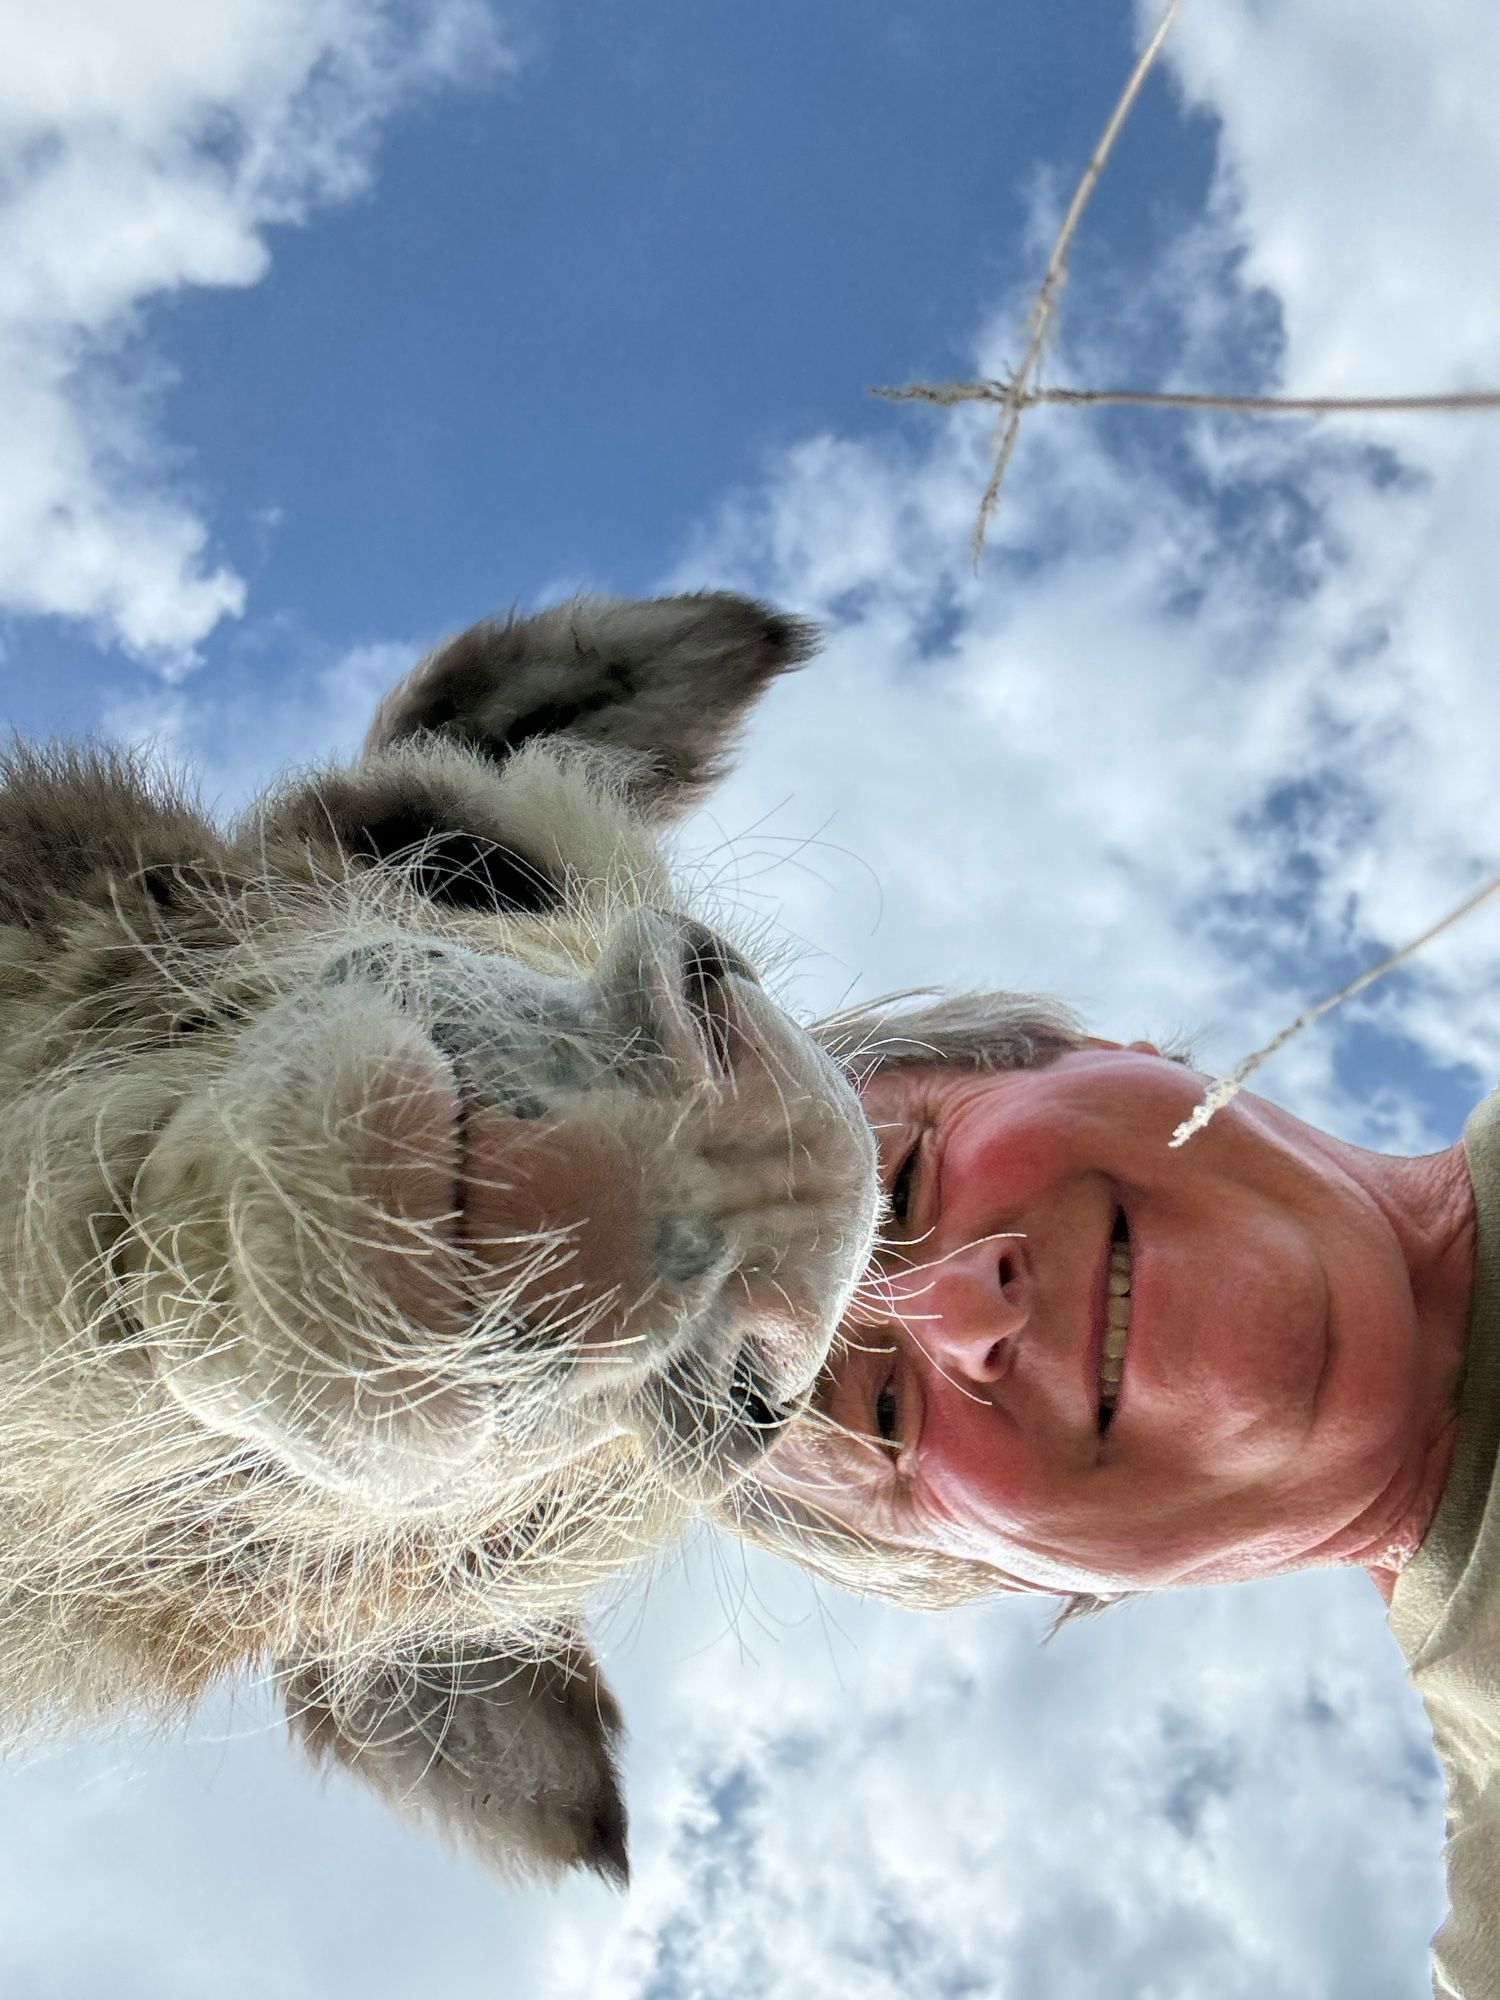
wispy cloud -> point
(145, 149)
(233, 740)
(1189, 1796)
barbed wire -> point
(1020, 391)
(1001, 389)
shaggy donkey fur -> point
(411, 1216)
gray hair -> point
(967, 1030)
(983, 1031)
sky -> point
(329, 325)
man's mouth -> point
(1116, 1320)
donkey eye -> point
(467, 873)
(460, 869)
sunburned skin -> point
(1292, 1311)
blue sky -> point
(585, 295)
(326, 327)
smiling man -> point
(1088, 1363)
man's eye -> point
(888, 1413)
(904, 1183)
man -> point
(1089, 1363)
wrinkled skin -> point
(414, 1214)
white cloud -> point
(1358, 145)
(233, 740)
(217, 1864)
(144, 149)
(1221, 1792)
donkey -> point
(413, 1214)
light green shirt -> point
(1445, 1614)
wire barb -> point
(1227, 1087)
(1003, 390)
(1020, 391)
(1018, 394)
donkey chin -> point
(415, 1214)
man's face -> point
(1263, 1414)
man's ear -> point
(666, 680)
(511, 1758)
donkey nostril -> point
(669, 990)
(707, 966)
(750, 1406)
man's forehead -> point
(893, 1096)
(903, 1090)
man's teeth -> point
(1117, 1327)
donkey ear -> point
(511, 1758)
(666, 680)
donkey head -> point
(416, 1212)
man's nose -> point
(966, 1308)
